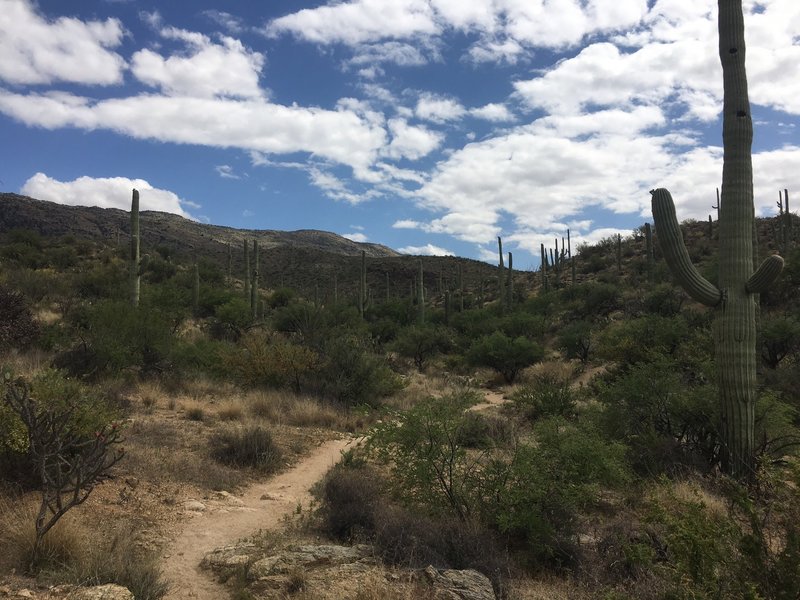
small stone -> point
(194, 506)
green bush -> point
(52, 390)
(538, 495)
(18, 328)
(576, 340)
(352, 374)
(262, 359)
(546, 395)
(505, 355)
(421, 343)
(666, 423)
(780, 338)
(430, 467)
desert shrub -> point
(17, 325)
(664, 299)
(232, 319)
(262, 359)
(593, 299)
(539, 493)
(483, 432)
(250, 446)
(350, 497)
(88, 412)
(575, 339)
(352, 374)
(505, 355)
(780, 338)
(408, 538)
(117, 337)
(523, 324)
(474, 323)
(119, 561)
(421, 343)
(429, 466)
(666, 423)
(547, 394)
(639, 340)
(201, 356)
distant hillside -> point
(304, 260)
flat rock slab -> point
(452, 584)
(102, 592)
(308, 557)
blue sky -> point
(431, 126)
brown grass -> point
(286, 408)
(60, 546)
(230, 410)
(193, 410)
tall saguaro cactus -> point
(135, 259)
(735, 298)
(254, 283)
(421, 295)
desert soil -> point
(262, 506)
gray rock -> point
(102, 592)
(308, 557)
(227, 558)
(452, 584)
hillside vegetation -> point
(560, 436)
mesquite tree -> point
(735, 300)
(69, 463)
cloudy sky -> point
(431, 126)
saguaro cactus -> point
(135, 259)
(246, 270)
(735, 298)
(254, 283)
(362, 283)
(420, 294)
(500, 283)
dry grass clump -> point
(60, 546)
(193, 410)
(150, 392)
(230, 410)
(250, 446)
(71, 553)
(553, 370)
(286, 408)
(27, 363)
(166, 452)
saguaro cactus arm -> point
(765, 276)
(675, 253)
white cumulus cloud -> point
(36, 50)
(105, 192)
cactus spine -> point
(734, 300)
(135, 259)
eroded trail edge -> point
(210, 530)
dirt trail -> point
(211, 530)
(490, 398)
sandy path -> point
(490, 399)
(211, 530)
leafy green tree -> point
(575, 339)
(421, 343)
(431, 468)
(780, 337)
(508, 356)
